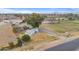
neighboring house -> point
(8, 17)
(25, 24)
(31, 32)
(13, 21)
(50, 20)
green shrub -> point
(2, 48)
(15, 29)
(11, 45)
(19, 43)
(25, 38)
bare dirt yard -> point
(38, 41)
(6, 34)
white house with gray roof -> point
(31, 32)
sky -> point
(39, 10)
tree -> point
(35, 20)
(25, 38)
(71, 18)
(59, 20)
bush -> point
(11, 45)
(25, 38)
(19, 43)
(15, 29)
(2, 48)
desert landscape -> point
(39, 31)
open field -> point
(62, 27)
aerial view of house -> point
(40, 29)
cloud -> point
(4, 11)
(14, 11)
(40, 10)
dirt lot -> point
(38, 41)
(6, 34)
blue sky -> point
(39, 10)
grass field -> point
(62, 27)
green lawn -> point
(64, 26)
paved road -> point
(69, 46)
